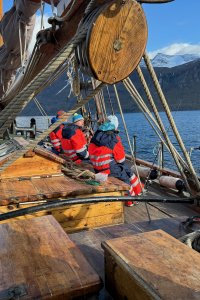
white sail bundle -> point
(16, 28)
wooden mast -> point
(1, 15)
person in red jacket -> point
(56, 134)
(74, 143)
(107, 155)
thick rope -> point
(15, 106)
(73, 170)
(148, 115)
(164, 132)
(170, 118)
(65, 116)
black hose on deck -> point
(73, 201)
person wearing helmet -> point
(56, 134)
(107, 155)
(74, 143)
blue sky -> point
(173, 28)
(172, 24)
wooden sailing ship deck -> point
(37, 177)
(36, 253)
(166, 217)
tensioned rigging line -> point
(148, 115)
(162, 128)
(130, 146)
(65, 116)
(170, 118)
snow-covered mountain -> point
(169, 61)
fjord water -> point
(187, 122)
(188, 125)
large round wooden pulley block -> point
(116, 40)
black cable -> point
(72, 201)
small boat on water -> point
(102, 250)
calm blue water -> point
(188, 124)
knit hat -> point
(53, 120)
(77, 117)
(113, 120)
(60, 113)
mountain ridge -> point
(180, 84)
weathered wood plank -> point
(86, 223)
(39, 254)
(151, 265)
(30, 166)
(32, 188)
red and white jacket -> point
(56, 137)
(105, 147)
(74, 143)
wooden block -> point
(151, 265)
(37, 256)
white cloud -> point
(177, 49)
(38, 28)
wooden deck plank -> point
(53, 187)
(139, 212)
(175, 210)
(89, 242)
(5, 192)
(24, 189)
(38, 253)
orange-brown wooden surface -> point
(38, 254)
(152, 265)
(117, 41)
(53, 187)
(30, 166)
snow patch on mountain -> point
(170, 61)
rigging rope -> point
(42, 14)
(170, 118)
(148, 115)
(150, 98)
(127, 134)
(65, 116)
(130, 146)
(110, 101)
(16, 105)
(9, 113)
(41, 109)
